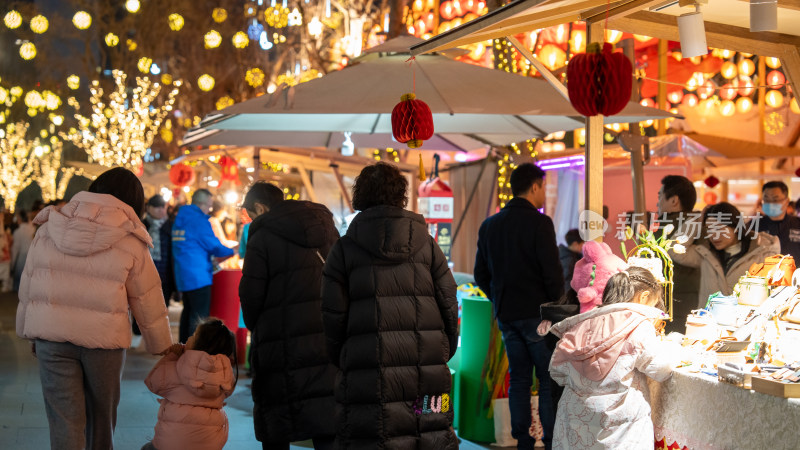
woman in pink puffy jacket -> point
(194, 380)
(87, 270)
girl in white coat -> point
(602, 360)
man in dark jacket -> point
(160, 228)
(517, 266)
(676, 200)
(391, 323)
(776, 219)
(281, 304)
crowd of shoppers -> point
(351, 335)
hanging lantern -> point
(710, 198)
(711, 181)
(181, 175)
(744, 105)
(412, 121)
(599, 82)
(728, 70)
(727, 108)
(794, 107)
(648, 102)
(774, 99)
(706, 90)
(747, 67)
(690, 100)
(776, 79)
(82, 20)
(772, 62)
(675, 97)
(727, 92)
(745, 86)
(230, 169)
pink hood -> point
(593, 341)
(194, 387)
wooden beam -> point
(312, 194)
(593, 168)
(790, 60)
(621, 9)
(546, 74)
(342, 188)
(665, 26)
(662, 87)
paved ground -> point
(23, 424)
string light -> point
(219, 15)
(240, 39)
(27, 51)
(123, 136)
(175, 21)
(132, 6)
(205, 82)
(13, 19)
(111, 39)
(17, 164)
(254, 77)
(82, 20)
(224, 102)
(39, 24)
(144, 64)
(212, 39)
(73, 82)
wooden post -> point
(312, 194)
(762, 109)
(662, 87)
(594, 145)
(256, 163)
(637, 159)
(342, 187)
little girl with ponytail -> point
(602, 360)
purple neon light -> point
(560, 163)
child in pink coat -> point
(194, 380)
(603, 359)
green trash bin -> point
(476, 324)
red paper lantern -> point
(230, 169)
(412, 121)
(181, 175)
(710, 198)
(797, 172)
(599, 82)
(711, 181)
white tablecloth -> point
(699, 412)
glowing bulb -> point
(144, 64)
(774, 99)
(13, 19)
(231, 197)
(744, 105)
(111, 39)
(212, 39)
(747, 67)
(73, 82)
(27, 51)
(254, 77)
(205, 82)
(240, 39)
(39, 24)
(613, 36)
(132, 6)
(82, 20)
(772, 62)
(219, 15)
(674, 97)
(315, 27)
(175, 21)
(794, 106)
(578, 44)
(155, 70)
(264, 42)
(728, 70)
(690, 100)
(727, 108)
(58, 120)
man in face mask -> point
(775, 220)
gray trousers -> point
(81, 394)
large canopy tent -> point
(472, 106)
(726, 26)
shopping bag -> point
(777, 269)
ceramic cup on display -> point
(752, 291)
(700, 325)
(723, 310)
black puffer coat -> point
(390, 315)
(280, 293)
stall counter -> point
(696, 411)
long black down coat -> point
(390, 315)
(280, 293)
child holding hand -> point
(603, 359)
(194, 380)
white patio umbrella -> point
(472, 106)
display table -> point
(697, 411)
